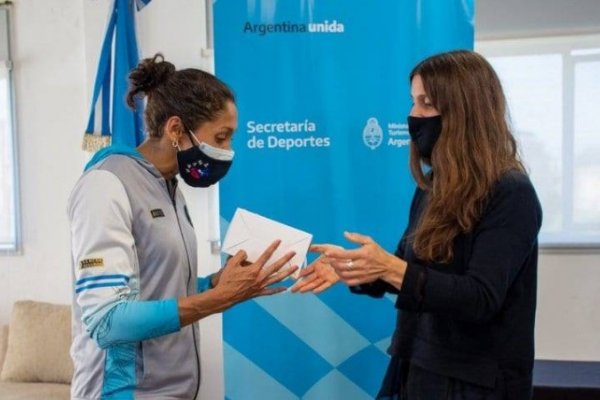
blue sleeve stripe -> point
(203, 284)
(100, 285)
(102, 277)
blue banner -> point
(323, 95)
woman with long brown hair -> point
(465, 269)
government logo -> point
(372, 134)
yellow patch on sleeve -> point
(91, 263)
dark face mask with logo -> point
(203, 165)
(424, 132)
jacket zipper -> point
(187, 254)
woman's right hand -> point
(239, 281)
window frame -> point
(564, 45)
(8, 248)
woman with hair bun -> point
(136, 297)
(465, 270)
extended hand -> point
(239, 281)
(319, 275)
(365, 264)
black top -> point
(473, 319)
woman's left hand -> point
(319, 275)
(365, 264)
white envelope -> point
(253, 233)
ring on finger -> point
(350, 264)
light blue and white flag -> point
(323, 95)
(118, 56)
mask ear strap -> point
(193, 138)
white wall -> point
(526, 18)
(55, 54)
(50, 86)
(568, 312)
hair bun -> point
(149, 74)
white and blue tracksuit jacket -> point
(134, 253)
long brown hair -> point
(474, 149)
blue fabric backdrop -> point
(322, 145)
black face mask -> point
(198, 169)
(424, 132)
